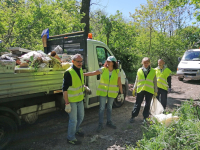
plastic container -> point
(7, 66)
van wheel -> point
(180, 79)
(118, 102)
(8, 129)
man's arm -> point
(155, 84)
(67, 82)
(169, 81)
(135, 85)
(65, 96)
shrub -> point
(183, 135)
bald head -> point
(77, 60)
(161, 63)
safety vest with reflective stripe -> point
(75, 92)
(162, 78)
(106, 86)
(145, 84)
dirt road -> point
(50, 131)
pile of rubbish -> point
(39, 61)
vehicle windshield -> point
(191, 56)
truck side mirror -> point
(119, 65)
(179, 59)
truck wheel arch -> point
(12, 114)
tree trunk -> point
(108, 36)
(85, 8)
(149, 53)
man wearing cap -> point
(108, 89)
(163, 82)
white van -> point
(189, 65)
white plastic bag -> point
(58, 49)
(166, 119)
(156, 107)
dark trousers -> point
(140, 96)
(163, 94)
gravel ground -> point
(50, 130)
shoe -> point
(100, 127)
(132, 120)
(111, 125)
(80, 134)
(74, 142)
(144, 121)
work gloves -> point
(87, 90)
(154, 95)
(68, 108)
(122, 97)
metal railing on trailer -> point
(71, 43)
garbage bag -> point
(66, 65)
(58, 49)
(166, 119)
(156, 107)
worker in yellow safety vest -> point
(145, 86)
(108, 89)
(163, 82)
(73, 93)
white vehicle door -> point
(99, 57)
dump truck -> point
(26, 95)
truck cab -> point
(189, 65)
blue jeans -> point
(75, 118)
(102, 108)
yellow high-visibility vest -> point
(162, 78)
(106, 86)
(75, 92)
(145, 84)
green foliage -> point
(119, 36)
(190, 36)
(153, 32)
(183, 135)
(22, 21)
(131, 76)
(181, 3)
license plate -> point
(189, 76)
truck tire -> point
(8, 129)
(117, 102)
(180, 79)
